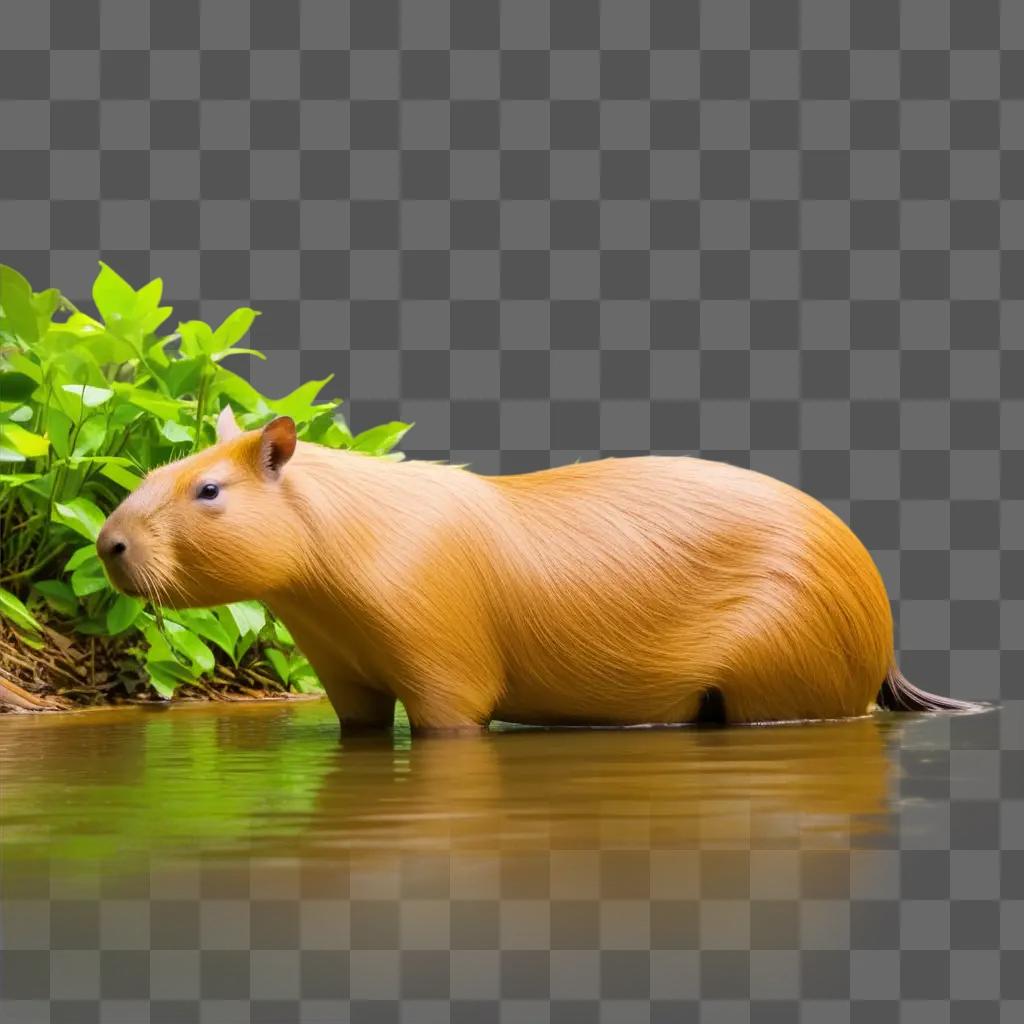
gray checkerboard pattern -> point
(786, 234)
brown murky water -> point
(274, 781)
(273, 835)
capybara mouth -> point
(124, 584)
(127, 589)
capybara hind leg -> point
(361, 709)
(686, 710)
(791, 699)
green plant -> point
(87, 406)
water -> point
(349, 873)
(272, 781)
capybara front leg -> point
(446, 714)
(448, 696)
(360, 708)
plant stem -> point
(58, 482)
(21, 526)
(42, 561)
(200, 410)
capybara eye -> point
(208, 492)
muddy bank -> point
(70, 672)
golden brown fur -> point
(617, 591)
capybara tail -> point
(899, 694)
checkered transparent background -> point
(789, 235)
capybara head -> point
(208, 529)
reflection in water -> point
(276, 782)
(666, 788)
(406, 866)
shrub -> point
(87, 406)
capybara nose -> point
(110, 545)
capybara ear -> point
(227, 428)
(277, 444)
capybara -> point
(652, 589)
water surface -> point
(276, 780)
(253, 828)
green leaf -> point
(193, 648)
(95, 460)
(196, 338)
(101, 344)
(243, 646)
(84, 554)
(233, 329)
(81, 515)
(113, 295)
(150, 321)
(13, 609)
(23, 364)
(329, 429)
(303, 678)
(91, 396)
(16, 386)
(162, 678)
(42, 484)
(13, 480)
(282, 634)
(165, 673)
(121, 476)
(150, 401)
(299, 404)
(90, 436)
(219, 356)
(147, 299)
(23, 441)
(380, 440)
(17, 314)
(240, 391)
(81, 325)
(58, 430)
(159, 648)
(89, 579)
(69, 399)
(204, 623)
(45, 304)
(58, 595)
(124, 414)
(249, 616)
(280, 663)
(230, 627)
(109, 348)
(175, 432)
(123, 613)
(182, 376)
